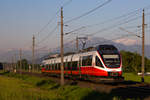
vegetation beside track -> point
(135, 77)
(24, 87)
(132, 62)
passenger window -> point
(98, 62)
(50, 66)
(74, 65)
(47, 67)
(65, 66)
(87, 60)
(69, 65)
(54, 66)
(59, 66)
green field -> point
(135, 77)
(24, 87)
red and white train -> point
(103, 61)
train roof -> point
(103, 47)
(89, 49)
(71, 57)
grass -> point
(24, 87)
(15, 89)
(135, 77)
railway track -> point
(125, 89)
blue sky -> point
(20, 19)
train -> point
(102, 62)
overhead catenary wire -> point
(131, 27)
(128, 15)
(69, 41)
(50, 33)
(50, 21)
(119, 24)
(86, 26)
(75, 30)
(53, 17)
(92, 10)
(129, 32)
(115, 18)
(113, 26)
(42, 29)
(105, 41)
(41, 48)
(55, 30)
(66, 3)
(111, 40)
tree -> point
(132, 62)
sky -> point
(21, 19)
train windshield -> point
(110, 55)
(107, 49)
(111, 61)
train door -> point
(66, 67)
(87, 65)
(79, 65)
(71, 64)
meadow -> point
(135, 77)
(24, 87)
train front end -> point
(108, 61)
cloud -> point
(127, 41)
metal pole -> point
(12, 65)
(15, 63)
(77, 44)
(143, 38)
(20, 60)
(62, 49)
(33, 61)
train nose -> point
(113, 74)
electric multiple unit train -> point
(103, 61)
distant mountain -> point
(131, 46)
(127, 41)
(71, 47)
(90, 42)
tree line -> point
(132, 62)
